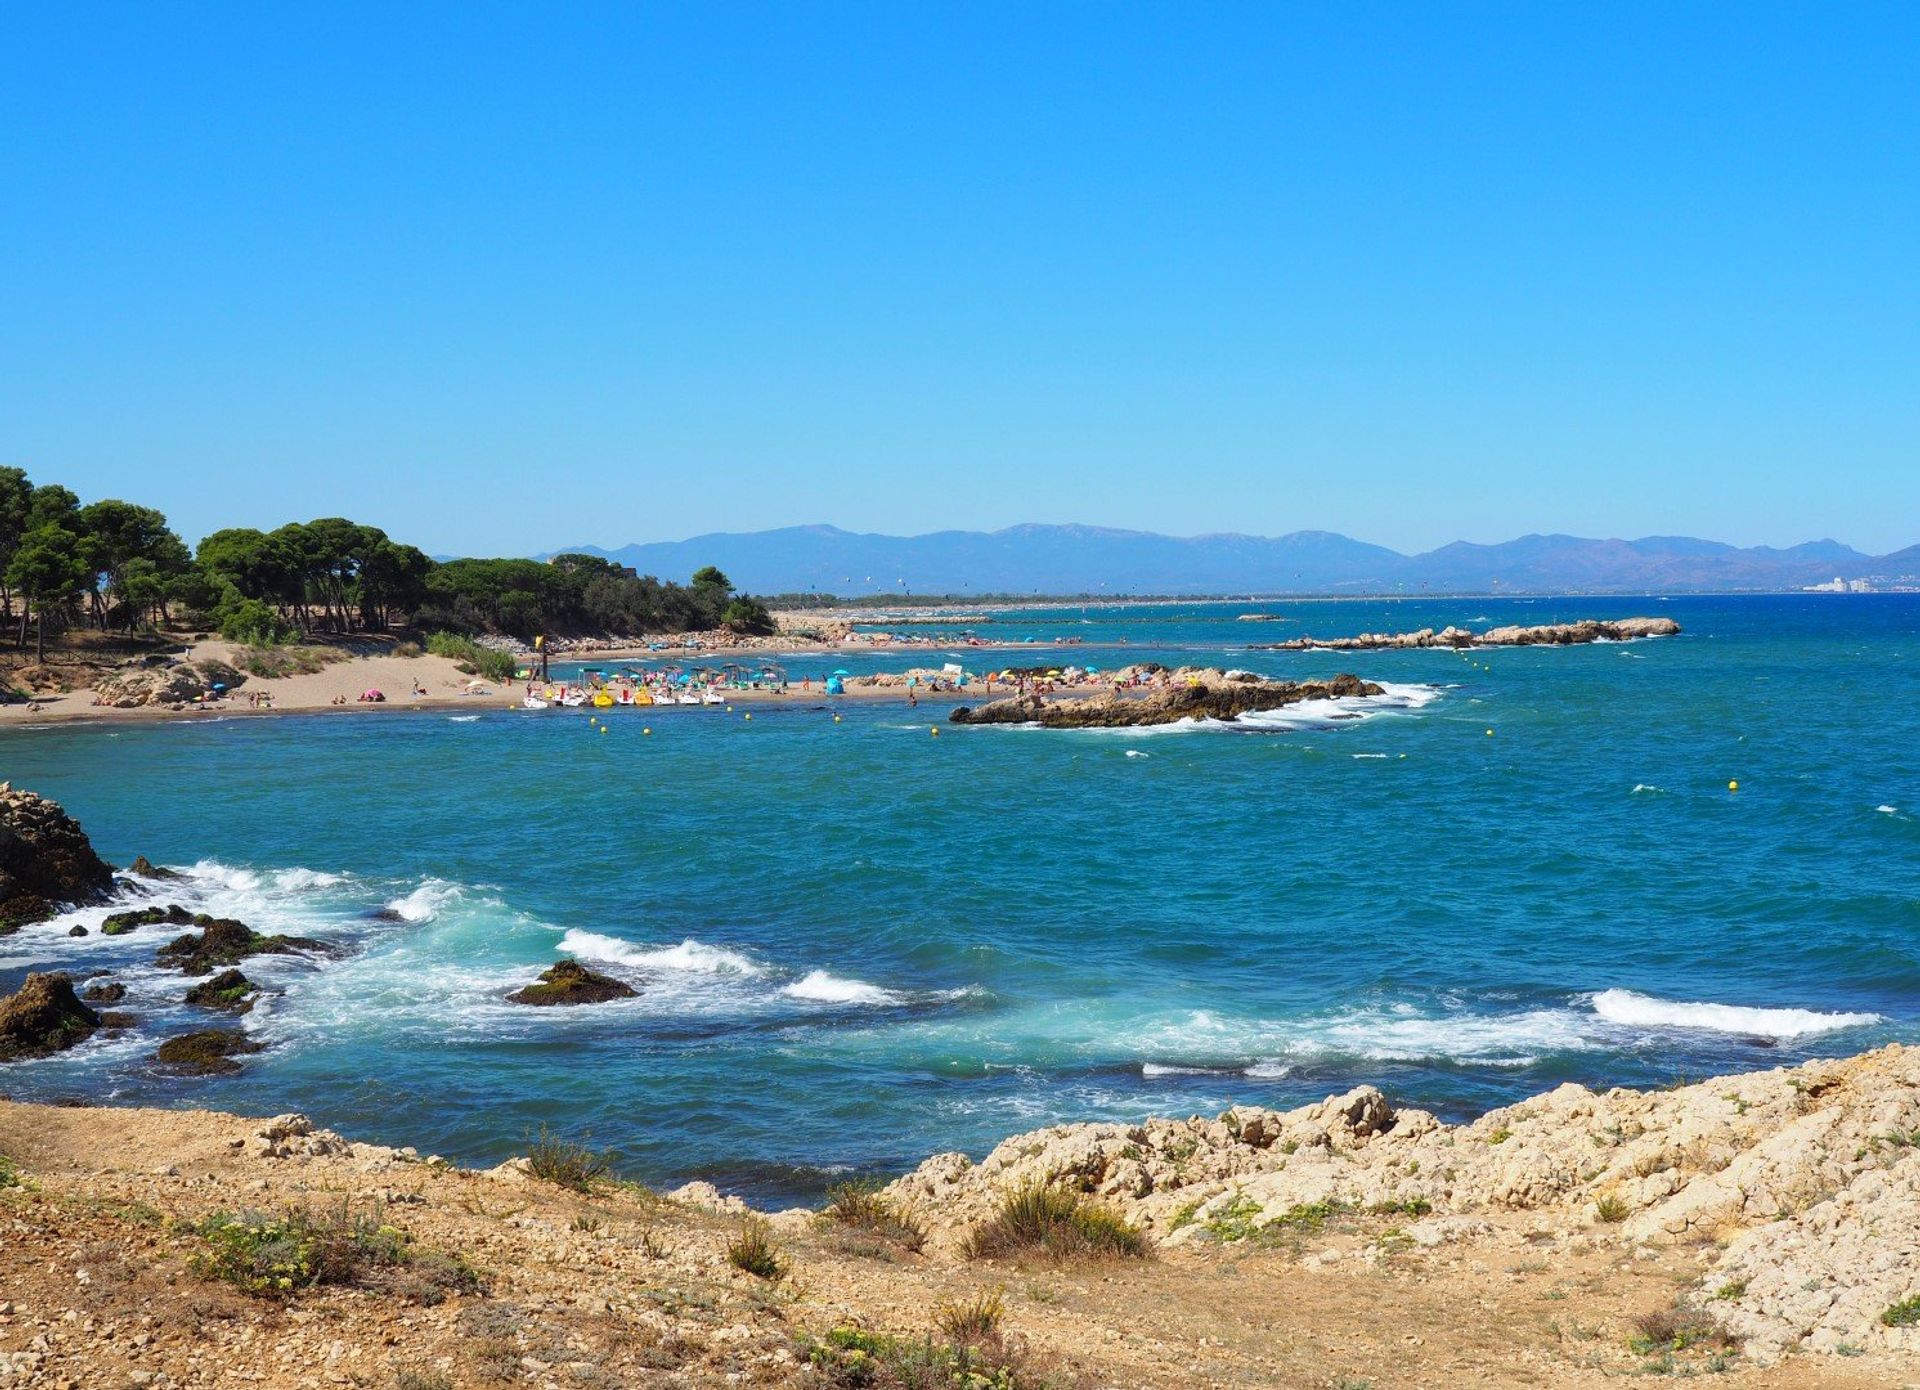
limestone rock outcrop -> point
(1810, 1176)
(183, 683)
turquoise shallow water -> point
(858, 944)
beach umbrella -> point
(219, 685)
(841, 671)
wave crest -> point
(1624, 1006)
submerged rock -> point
(226, 942)
(46, 860)
(44, 1017)
(229, 990)
(569, 982)
(1545, 635)
(146, 868)
(108, 992)
(1192, 695)
(207, 1053)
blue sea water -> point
(857, 944)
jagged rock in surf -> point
(46, 860)
(44, 1017)
(569, 982)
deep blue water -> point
(858, 944)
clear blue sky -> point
(502, 278)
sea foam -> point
(688, 955)
(1633, 1010)
(822, 987)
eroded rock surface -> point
(46, 860)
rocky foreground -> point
(1460, 638)
(1762, 1228)
(1189, 693)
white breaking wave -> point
(226, 876)
(297, 880)
(463, 718)
(1623, 1006)
(825, 988)
(1150, 1069)
(1887, 810)
(1647, 787)
(1268, 1071)
(688, 955)
(423, 904)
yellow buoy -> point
(646, 731)
(1733, 786)
(1489, 733)
(935, 731)
(603, 728)
(746, 716)
(836, 719)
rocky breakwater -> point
(1806, 1179)
(1189, 693)
(46, 861)
(1459, 638)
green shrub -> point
(1676, 1329)
(278, 1256)
(1905, 1313)
(473, 658)
(565, 1163)
(976, 1320)
(254, 623)
(747, 616)
(851, 1358)
(409, 650)
(860, 1206)
(422, 1380)
(1040, 1218)
(753, 1251)
(9, 1174)
(1611, 1209)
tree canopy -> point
(119, 565)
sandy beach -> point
(336, 688)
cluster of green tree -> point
(116, 565)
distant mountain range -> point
(1092, 559)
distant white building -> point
(1842, 586)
